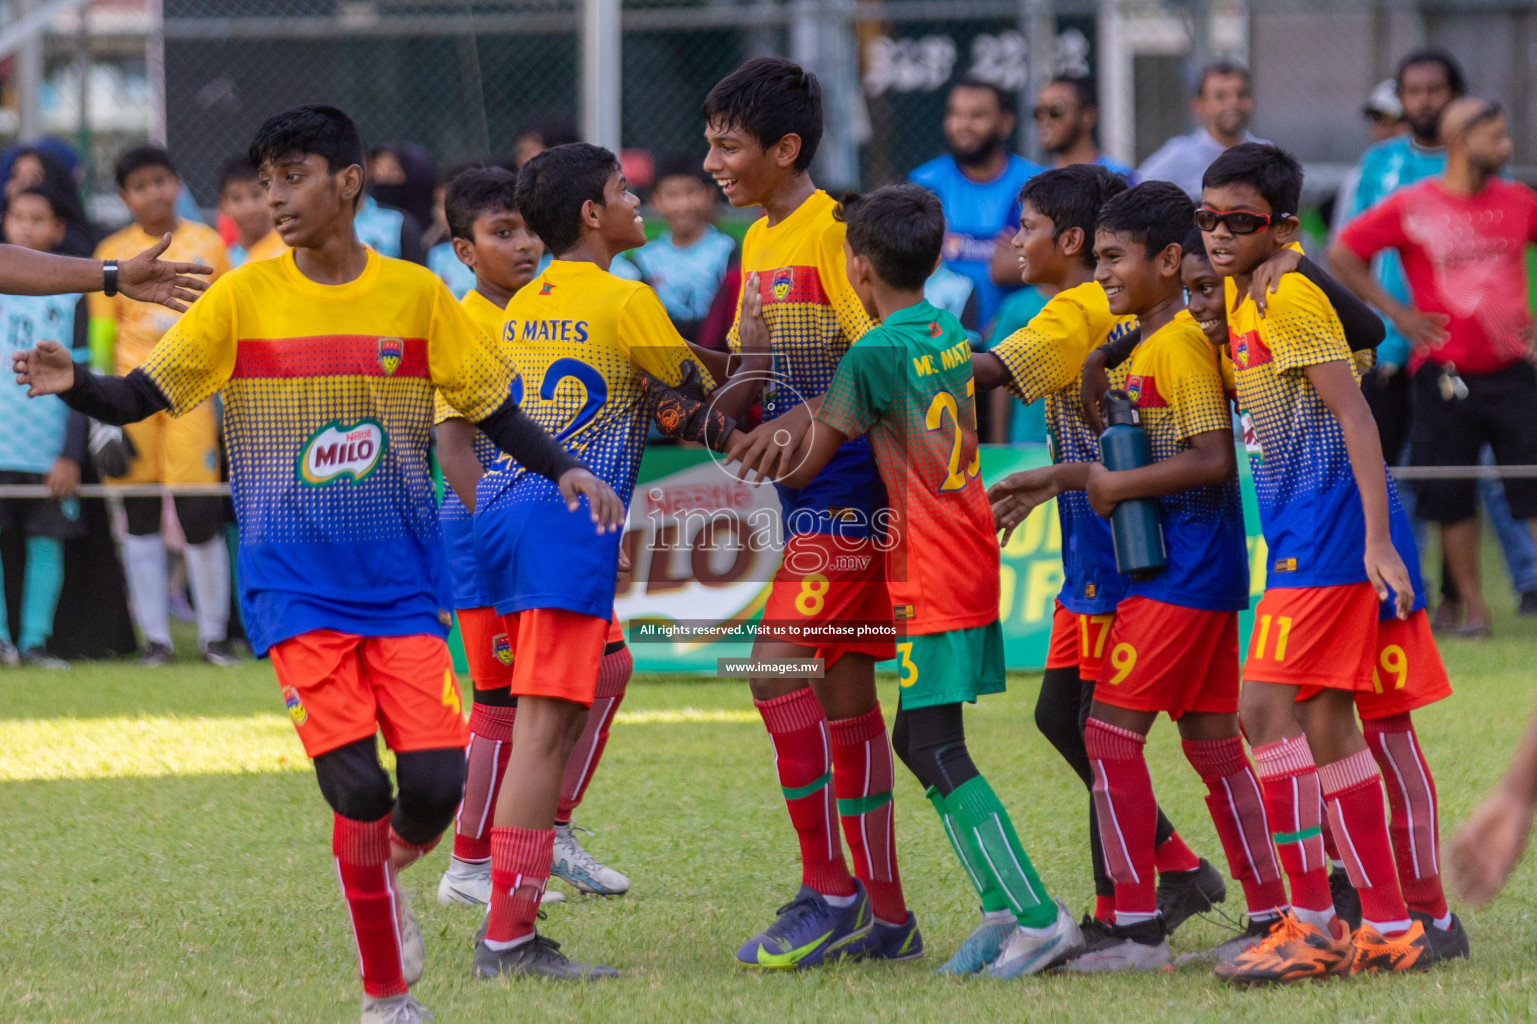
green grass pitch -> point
(167, 859)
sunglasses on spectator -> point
(1055, 112)
(1239, 222)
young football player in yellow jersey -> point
(763, 123)
(490, 237)
(581, 339)
(1173, 646)
(1339, 546)
(907, 385)
(328, 359)
(1044, 360)
(167, 450)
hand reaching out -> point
(48, 369)
(148, 278)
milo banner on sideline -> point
(703, 547)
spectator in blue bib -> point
(978, 183)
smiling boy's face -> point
(1133, 281)
(1206, 298)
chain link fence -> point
(464, 77)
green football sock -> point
(987, 890)
(979, 817)
(41, 584)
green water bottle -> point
(1136, 525)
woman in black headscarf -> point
(38, 165)
(403, 175)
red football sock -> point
(1128, 816)
(1353, 793)
(1238, 811)
(404, 854)
(1173, 855)
(520, 869)
(1293, 807)
(1331, 848)
(362, 852)
(803, 759)
(863, 776)
(1104, 908)
(485, 762)
(613, 677)
(1414, 826)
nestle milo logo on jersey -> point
(390, 351)
(336, 451)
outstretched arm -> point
(50, 369)
(144, 277)
(515, 433)
(1487, 848)
(989, 371)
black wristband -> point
(109, 278)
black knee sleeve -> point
(143, 515)
(933, 746)
(1057, 713)
(353, 781)
(431, 786)
(202, 519)
(501, 697)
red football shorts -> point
(1078, 640)
(1314, 638)
(1062, 651)
(1162, 657)
(340, 688)
(615, 631)
(487, 647)
(824, 579)
(1408, 674)
(558, 653)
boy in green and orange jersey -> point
(907, 387)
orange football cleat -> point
(1375, 953)
(1293, 951)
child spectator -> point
(688, 261)
(242, 200)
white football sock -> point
(147, 585)
(208, 573)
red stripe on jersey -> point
(1144, 393)
(792, 284)
(331, 355)
(1248, 349)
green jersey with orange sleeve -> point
(907, 386)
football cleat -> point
(1253, 934)
(156, 655)
(413, 952)
(1450, 943)
(578, 869)
(808, 931)
(1293, 951)
(1184, 894)
(896, 942)
(394, 1010)
(1135, 947)
(1377, 954)
(1027, 953)
(10, 657)
(982, 946)
(469, 885)
(539, 957)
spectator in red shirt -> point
(1462, 238)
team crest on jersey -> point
(390, 351)
(781, 285)
(338, 451)
(1134, 388)
(296, 709)
(1241, 349)
(502, 648)
(935, 330)
(546, 288)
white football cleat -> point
(577, 868)
(469, 885)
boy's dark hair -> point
(1071, 197)
(679, 165)
(478, 191)
(552, 131)
(237, 168)
(1006, 99)
(1194, 243)
(1433, 55)
(321, 130)
(553, 186)
(900, 229)
(138, 158)
(1222, 67)
(1274, 173)
(1085, 89)
(1156, 213)
(56, 202)
(769, 98)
